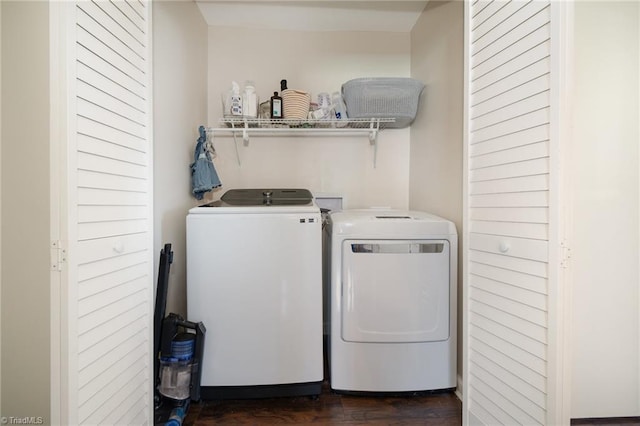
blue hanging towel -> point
(203, 174)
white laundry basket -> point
(389, 97)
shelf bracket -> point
(235, 144)
(245, 137)
(245, 133)
(373, 138)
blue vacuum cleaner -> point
(178, 349)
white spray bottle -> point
(236, 99)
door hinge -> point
(565, 254)
(58, 256)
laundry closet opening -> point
(417, 167)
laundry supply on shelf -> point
(339, 109)
(276, 106)
(249, 100)
(232, 101)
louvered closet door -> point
(110, 252)
(509, 78)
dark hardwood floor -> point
(438, 409)
(442, 409)
(330, 408)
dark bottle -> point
(283, 85)
(276, 106)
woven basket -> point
(295, 104)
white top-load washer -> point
(254, 278)
(393, 301)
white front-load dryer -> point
(393, 301)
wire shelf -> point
(306, 124)
(288, 127)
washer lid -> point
(267, 197)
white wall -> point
(180, 106)
(605, 249)
(25, 209)
(435, 183)
(314, 62)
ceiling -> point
(324, 15)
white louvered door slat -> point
(529, 313)
(88, 160)
(86, 272)
(533, 87)
(531, 167)
(536, 231)
(527, 266)
(513, 140)
(115, 13)
(511, 81)
(112, 118)
(100, 97)
(91, 196)
(515, 199)
(515, 322)
(498, 357)
(517, 35)
(88, 38)
(131, 14)
(131, 52)
(105, 69)
(109, 134)
(94, 11)
(514, 293)
(88, 144)
(498, 186)
(110, 85)
(511, 351)
(530, 118)
(509, 188)
(533, 150)
(516, 278)
(137, 6)
(91, 179)
(495, 19)
(509, 23)
(110, 242)
(527, 398)
(96, 286)
(484, 11)
(512, 110)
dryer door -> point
(395, 290)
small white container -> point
(339, 109)
(249, 100)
